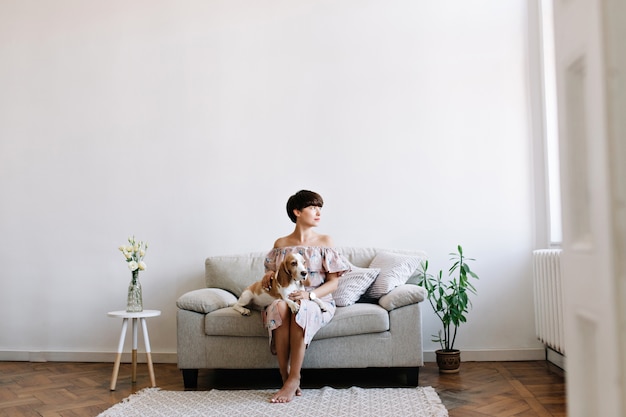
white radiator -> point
(548, 298)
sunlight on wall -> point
(189, 124)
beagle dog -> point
(289, 278)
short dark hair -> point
(301, 200)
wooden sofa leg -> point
(412, 376)
(190, 378)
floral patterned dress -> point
(320, 261)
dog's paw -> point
(295, 308)
(244, 311)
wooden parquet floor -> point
(54, 389)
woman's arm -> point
(329, 286)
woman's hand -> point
(266, 281)
(299, 295)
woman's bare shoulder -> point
(325, 240)
(318, 240)
(281, 242)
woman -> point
(290, 334)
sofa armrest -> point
(206, 300)
(402, 296)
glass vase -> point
(135, 301)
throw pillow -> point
(395, 270)
(352, 285)
(402, 295)
(205, 300)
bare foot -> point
(298, 390)
(290, 389)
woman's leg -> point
(281, 339)
(295, 358)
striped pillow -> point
(395, 270)
(352, 285)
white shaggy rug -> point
(357, 402)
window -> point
(551, 134)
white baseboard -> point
(495, 355)
(21, 356)
(484, 355)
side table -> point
(142, 315)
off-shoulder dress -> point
(320, 261)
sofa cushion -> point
(234, 273)
(348, 321)
(352, 285)
(401, 296)
(205, 300)
(359, 318)
(229, 322)
(395, 270)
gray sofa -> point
(383, 333)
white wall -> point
(190, 123)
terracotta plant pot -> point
(449, 361)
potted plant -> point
(450, 301)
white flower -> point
(134, 253)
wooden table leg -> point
(118, 358)
(146, 340)
(134, 353)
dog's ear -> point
(282, 275)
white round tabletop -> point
(134, 315)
